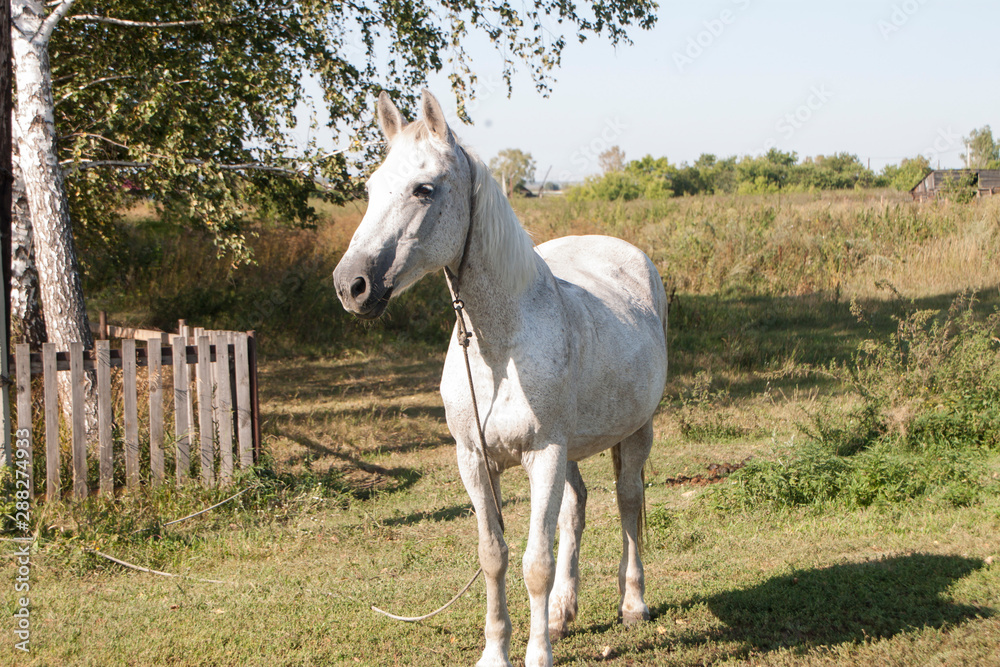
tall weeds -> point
(927, 413)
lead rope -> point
(464, 338)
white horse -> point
(567, 357)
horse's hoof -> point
(557, 632)
(493, 661)
(631, 618)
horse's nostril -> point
(358, 287)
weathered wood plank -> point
(104, 409)
(153, 353)
(166, 357)
(113, 331)
(254, 394)
(182, 414)
(79, 438)
(131, 415)
(192, 429)
(24, 424)
(225, 409)
(244, 425)
(203, 371)
(53, 488)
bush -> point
(613, 186)
(928, 411)
(882, 475)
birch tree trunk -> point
(34, 119)
(25, 302)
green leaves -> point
(512, 167)
(192, 105)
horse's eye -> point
(423, 190)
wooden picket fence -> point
(219, 420)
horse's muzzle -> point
(360, 292)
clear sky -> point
(884, 80)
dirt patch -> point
(716, 473)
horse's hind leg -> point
(562, 600)
(629, 457)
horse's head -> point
(418, 211)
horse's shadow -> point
(853, 602)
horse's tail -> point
(616, 458)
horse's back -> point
(617, 312)
(611, 269)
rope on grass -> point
(216, 581)
(414, 619)
(151, 571)
(191, 516)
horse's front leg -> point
(492, 554)
(546, 470)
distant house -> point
(986, 182)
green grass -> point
(774, 587)
(863, 529)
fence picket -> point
(243, 406)
(131, 414)
(187, 333)
(225, 407)
(224, 383)
(182, 410)
(105, 449)
(53, 488)
(155, 368)
(77, 379)
(24, 423)
(203, 371)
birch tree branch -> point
(88, 85)
(71, 165)
(93, 18)
(44, 33)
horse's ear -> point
(434, 117)
(389, 118)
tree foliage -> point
(513, 168)
(612, 159)
(765, 173)
(189, 105)
(773, 171)
(906, 174)
(984, 151)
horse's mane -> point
(504, 239)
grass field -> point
(797, 341)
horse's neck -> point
(493, 305)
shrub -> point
(613, 186)
(928, 410)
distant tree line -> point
(774, 171)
